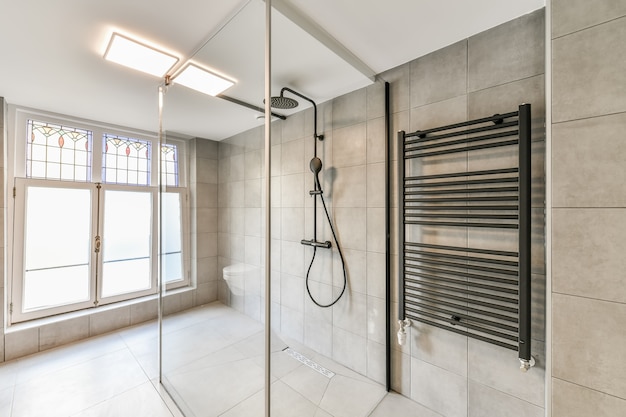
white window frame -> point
(16, 182)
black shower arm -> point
(314, 109)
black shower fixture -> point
(283, 102)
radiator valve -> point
(526, 364)
(402, 331)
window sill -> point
(60, 318)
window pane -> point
(49, 144)
(126, 239)
(56, 246)
(169, 165)
(124, 160)
(172, 237)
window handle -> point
(97, 250)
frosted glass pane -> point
(126, 240)
(58, 223)
(127, 276)
(172, 267)
(45, 288)
(56, 247)
(171, 227)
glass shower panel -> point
(211, 235)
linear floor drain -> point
(308, 362)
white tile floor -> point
(213, 366)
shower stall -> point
(287, 248)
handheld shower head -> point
(316, 167)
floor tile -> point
(347, 397)
(397, 405)
(143, 400)
(78, 387)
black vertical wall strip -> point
(480, 292)
(525, 204)
(388, 240)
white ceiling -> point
(51, 52)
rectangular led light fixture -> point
(202, 80)
(133, 54)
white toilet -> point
(240, 277)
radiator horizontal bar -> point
(461, 199)
(462, 332)
(446, 135)
(465, 274)
(463, 216)
(454, 224)
(472, 139)
(465, 191)
(465, 300)
(494, 118)
(468, 325)
(463, 291)
(463, 317)
(465, 149)
(473, 284)
(461, 183)
(463, 174)
(498, 316)
(514, 264)
(462, 266)
(461, 249)
(509, 207)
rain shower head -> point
(283, 102)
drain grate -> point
(308, 362)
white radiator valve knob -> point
(526, 364)
(402, 332)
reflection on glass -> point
(126, 242)
(56, 247)
(172, 238)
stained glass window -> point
(169, 165)
(58, 152)
(126, 160)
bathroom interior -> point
(365, 223)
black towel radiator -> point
(483, 293)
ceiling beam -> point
(325, 38)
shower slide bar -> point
(479, 292)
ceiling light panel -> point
(202, 80)
(133, 54)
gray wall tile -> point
(446, 72)
(572, 15)
(440, 390)
(349, 186)
(588, 171)
(350, 109)
(571, 400)
(498, 368)
(22, 343)
(589, 258)
(588, 341)
(444, 112)
(439, 347)
(488, 402)
(106, 321)
(588, 77)
(57, 334)
(350, 145)
(509, 52)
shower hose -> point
(343, 264)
